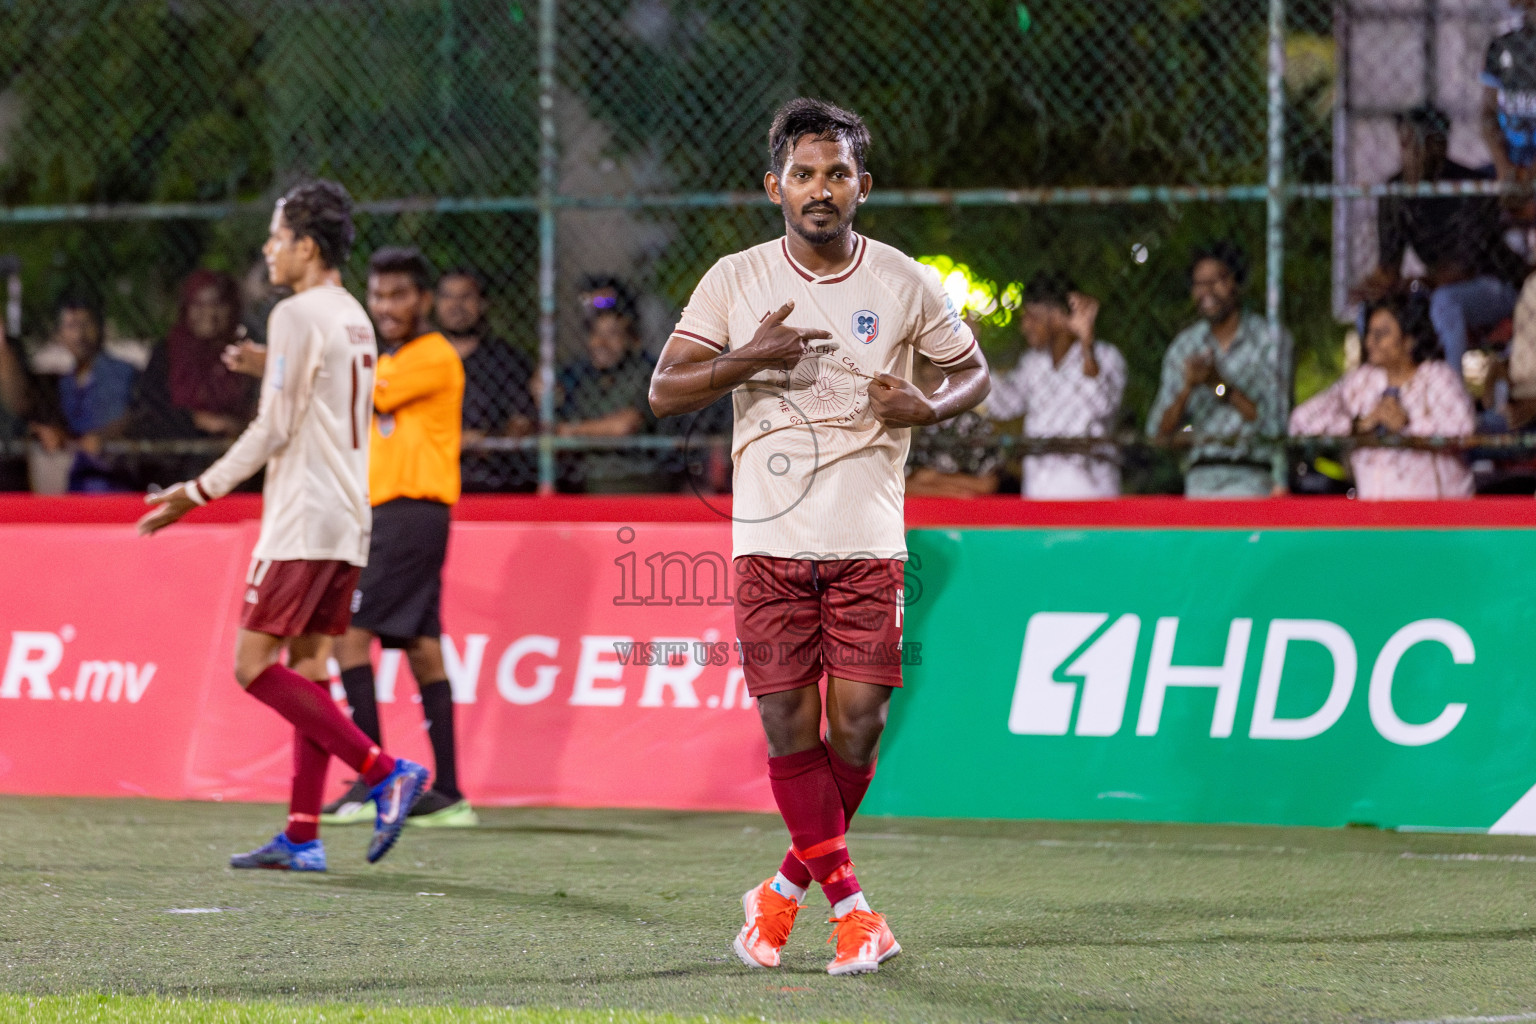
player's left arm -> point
(950, 345)
(900, 403)
(286, 382)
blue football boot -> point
(283, 854)
(394, 797)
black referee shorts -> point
(400, 592)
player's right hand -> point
(777, 342)
(172, 503)
(246, 357)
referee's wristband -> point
(194, 492)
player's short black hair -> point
(1228, 254)
(468, 273)
(321, 210)
(820, 120)
(1051, 287)
(1411, 312)
(79, 298)
(402, 259)
(1426, 119)
(621, 304)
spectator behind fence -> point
(606, 394)
(93, 397)
(20, 400)
(1473, 274)
(18, 388)
(1405, 388)
(1068, 384)
(1509, 99)
(1521, 412)
(186, 391)
(257, 297)
(956, 458)
(1227, 381)
(497, 398)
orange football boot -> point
(770, 916)
(864, 942)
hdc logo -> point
(1043, 704)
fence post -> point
(548, 186)
(1274, 240)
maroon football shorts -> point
(295, 597)
(797, 619)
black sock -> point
(358, 682)
(437, 706)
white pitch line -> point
(1507, 858)
(1504, 1019)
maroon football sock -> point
(852, 783)
(812, 808)
(310, 710)
(310, 762)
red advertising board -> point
(592, 665)
(592, 662)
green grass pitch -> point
(627, 916)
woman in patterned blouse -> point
(1405, 388)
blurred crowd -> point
(1439, 370)
(1440, 364)
(1052, 427)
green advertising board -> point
(1299, 677)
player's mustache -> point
(815, 207)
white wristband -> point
(194, 492)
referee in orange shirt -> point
(413, 482)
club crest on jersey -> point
(386, 422)
(866, 326)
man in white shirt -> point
(311, 436)
(822, 418)
(1068, 385)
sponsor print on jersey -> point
(952, 315)
(824, 389)
(866, 325)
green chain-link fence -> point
(564, 147)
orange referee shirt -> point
(418, 409)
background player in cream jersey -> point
(820, 438)
(311, 435)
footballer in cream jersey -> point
(814, 336)
(311, 435)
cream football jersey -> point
(311, 431)
(816, 474)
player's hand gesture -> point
(172, 503)
(245, 357)
(899, 403)
(778, 343)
